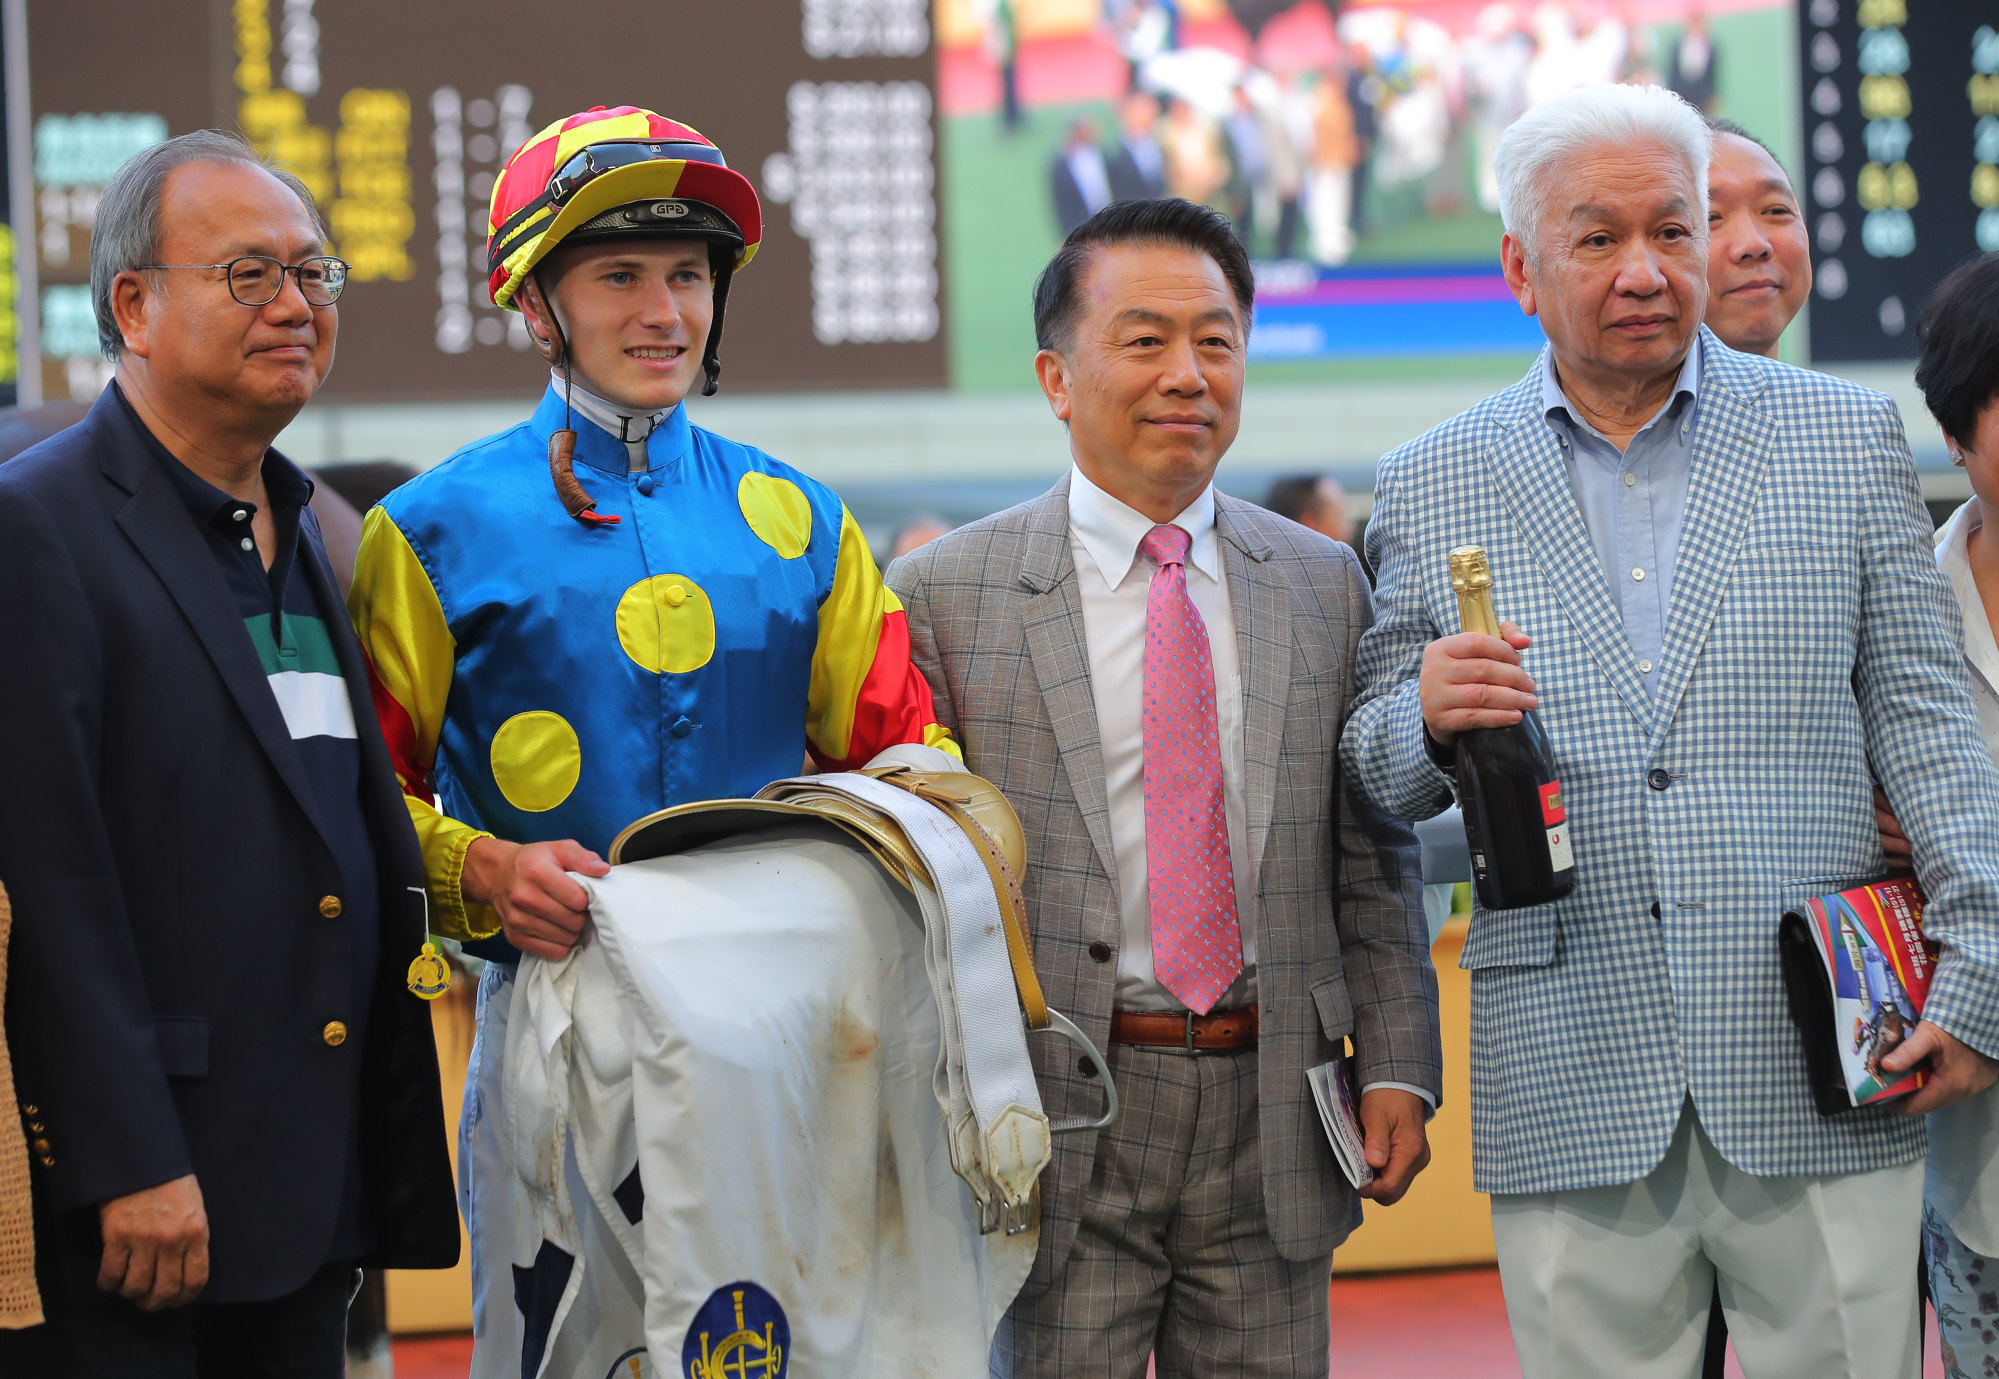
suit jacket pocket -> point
(1795, 891)
(183, 1045)
(1511, 938)
(1763, 564)
(1335, 1007)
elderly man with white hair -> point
(1724, 564)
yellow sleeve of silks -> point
(410, 653)
(866, 693)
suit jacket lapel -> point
(1732, 442)
(156, 521)
(1053, 627)
(396, 854)
(1262, 607)
(1527, 468)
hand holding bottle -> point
(1478, 698)
(1474, 680)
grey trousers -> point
(1173, 1257)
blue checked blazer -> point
(1809, 635)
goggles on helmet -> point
(588, 164)
(595, 161)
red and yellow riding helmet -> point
(616, 172)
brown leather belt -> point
(1215, 1031)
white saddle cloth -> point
(727, 1151)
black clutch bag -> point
(1811, 1012)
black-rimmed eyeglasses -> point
(256, 279)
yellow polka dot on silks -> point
(667, 625)
(777, 511)
(536, 760)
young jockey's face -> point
(636, 316)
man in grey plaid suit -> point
(1725, 565)
(1155, 675)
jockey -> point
(606, 610)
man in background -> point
(1316, 501)
(1319, 503)
(1331, 180)
(1692, 67)
(919, 530)
(1138, 168)
(232, 1095)
(1077, 176)
(1759, 261)
(1251, 190)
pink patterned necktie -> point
(1196, 939)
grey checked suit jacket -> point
(1809, 637)
(996, 625)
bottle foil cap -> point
(1469, 570)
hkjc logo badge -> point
(633, 1364)
(739, 1333)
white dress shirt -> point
(1963, 1183)
(1113, 582)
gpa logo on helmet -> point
(670, 210)
(739, 1333)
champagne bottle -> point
(1515, 823)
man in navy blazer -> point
(231, 1096)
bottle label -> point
(1560, 856)
(1552, 812)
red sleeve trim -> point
(894, 703)
(400, 733)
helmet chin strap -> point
(562, 444)
(711, 363)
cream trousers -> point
(1818, 1274)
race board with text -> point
(1901, 175)
(398, 115)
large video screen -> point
(920, 160)
(1351, 144)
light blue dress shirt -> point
(1632, 502)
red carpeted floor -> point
(1450, 1324)
(433, 1357)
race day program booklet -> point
(1333, 1090)
(1858, 970)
